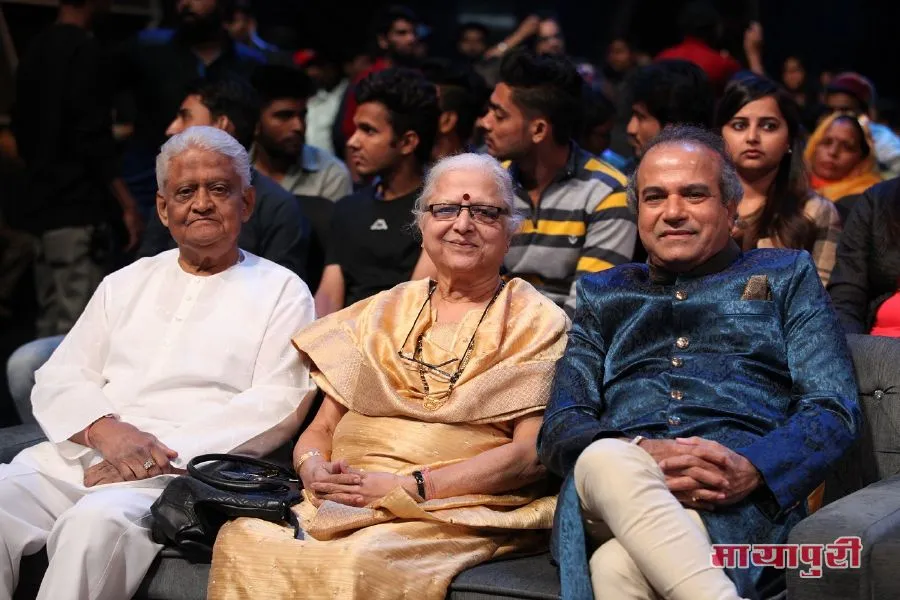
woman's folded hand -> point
(322, 472)
(368, 488)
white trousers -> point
(650, 545)
(98, 541)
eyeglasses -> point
(480, 213)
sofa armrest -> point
(15, 439)
(872, 514)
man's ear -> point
(732, 208)
(540, 130)
(382, 41)
(409, 141)
(161, 209)
(447, 122)
(249, 203)
(225, 124)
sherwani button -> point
(677, 362)
(682, 343)
(681, 295)
(677, 395)
(674, 421)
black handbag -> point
(217, 488)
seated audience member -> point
(597, 128)
(664, 93)
(153, 70)
(803, 90)
(701, 397)
(277, 229)
(462, 95)
(549, 39)
(325, 68)
(472, 41)
(866, 277)
(621, 60)
(240, 22)
(577, 221)
(839, 157)
(371, 245)
(763, 134)
(176, 355)
(280, 150)
(421, 461)
(853, 93)
(700, 25)
(395, 38)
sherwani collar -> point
(718, 262)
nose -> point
(632, 127)
(353, 142)
(463, 221)
(174, 128)
(202, 201)
(753, 134)
(484, 122)
(298, 125)
(674, 209)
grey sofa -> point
(864, 496)
(863, 493)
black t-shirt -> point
(374, 241)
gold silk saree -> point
(396, 547)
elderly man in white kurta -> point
(176, 355)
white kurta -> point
(203, 363)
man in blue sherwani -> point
(702, 397)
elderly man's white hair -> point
(472, 162)
(204, 138)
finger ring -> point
(694, 499)
(149, 464)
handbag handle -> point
(274, 478)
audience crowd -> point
(466, 274)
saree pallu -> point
(396, 547)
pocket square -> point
(757, 288)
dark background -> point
(828, 34)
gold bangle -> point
(303, 458)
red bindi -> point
(465, 196)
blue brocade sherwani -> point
(668, 355)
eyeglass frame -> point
(502, 211)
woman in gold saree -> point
(421, 461)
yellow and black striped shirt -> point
(580, 225)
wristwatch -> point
(420, 484)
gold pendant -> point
(432, 403)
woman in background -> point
(761, 126)
(840, 157)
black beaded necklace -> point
(432, 404)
